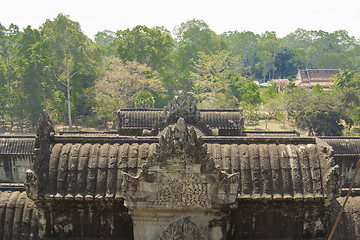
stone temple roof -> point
(23, 145)
(151, 121)
(148, 118)
(344, 146)
(270, 168)
(18, 216)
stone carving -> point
(180, 174)
(184, 228)
(31, 184)
(179, 140)
(45, 130)
(333, 183)
(179, 193)
(182, 107)
(44, 136)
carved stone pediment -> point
(180, 175)
(178, 183)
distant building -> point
(309, 78)
(280, 83)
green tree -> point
(317, 89)
(245, 45)
(124, 84)
(70, 53)
(285, 64)
(245, 90)
(320, 49)
(35, 78)
(266, 64)
(267, 48)
(193, 37)
(9, 38)
(321, 116)
(211, 75)
(343, 79)
(105, 39)
(150, 46)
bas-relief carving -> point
(176, 191)
(184, 228)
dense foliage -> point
(83, 81)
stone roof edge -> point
(162, 109)
(12, 187)
(18, 136)
(339, 137)
(205, 139)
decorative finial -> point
(46, 128)
(183, 107)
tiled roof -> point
(271, 134)
(148, 118)
(18, 216)
(344, 146)
(318, 74)
(275, 171)
(322, 74)
(222, 119)
(92, 170)
(17, 145)
(139, 118)
(309, 78)
(270, 168)
(88, 133)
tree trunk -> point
(9, 81)
(273, 73)
(68, 90)
(45, 106)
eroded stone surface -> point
(180, 182)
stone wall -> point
(84, 219)
(279, 220)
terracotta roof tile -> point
(322, 74)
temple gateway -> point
(171, 174)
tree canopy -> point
(83, 81)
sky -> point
(258, 16)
